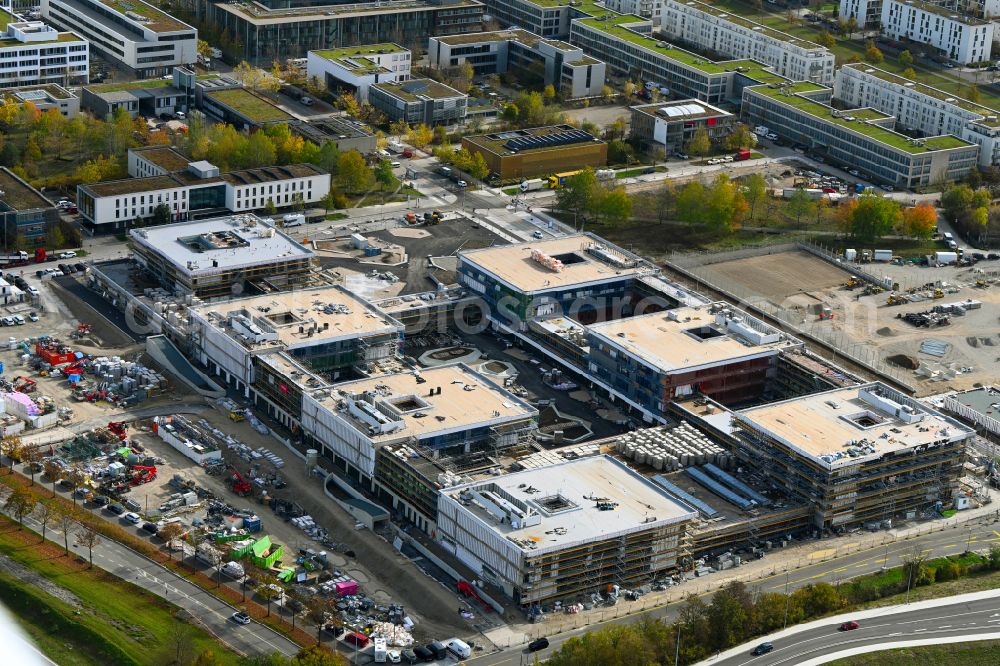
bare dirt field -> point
(778, 277)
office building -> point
(183, 92)
(24, 211)
(143, 38)
(673, 124)
(345, 133)
(35, 54)
(856, 455)
(538, 151)
(196, 189)
(565, 529)
(220, 257)
(716, 351)
(354, 69)
(863, 139)
(716, 30)
(278, 30)
(243, 108)
(551, 62)
(419, 101)
(45, 97)
(920, 107)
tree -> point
(269, 207)
(255, 78)
(799, 205)
(755, 189)
(45, 513)
(851, 25)
(478, 168)
(724, 204)
(613, 207)
(65, 520)
(549, 93)
(607, 93)
(872, 53)
(20, 503)
(268, 590)
(700, 143)
(973, 94)
(31, 455)
(511, 113)
(316, 613)
(399, 128)
(384, 175)
(620, 152)
(88, 537)
(204, 49)
(11, 447)
(440, 134)
(920, 221)
(824, 38)
(314, 656)
(207, 658)
(905, 58)
(56, 237)
(690, 203)
(53, 470)
(181, 637)
(161, 214)
(349, 103)
(420, 136)
(874, 217)
(578, 192)
(168, 533)
(909, 73)
(353, 175)
(741, 137)
(628, 89)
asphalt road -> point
(951, 541)
(941, 623)
(212, 612)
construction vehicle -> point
(982, 284)
(895, 300)
(852, 282)
(238, 484)
(142, 474)
(825, 313)
(468, 590)
(938, 293)
(82, 331)
(410, 218)
(25, 385)
(432, 219)
(119, 429)
(873, 290)
(237, 416)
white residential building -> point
(709, 28)
(354, 69)
(915, 106)
(651, 9)
(867, 13)
(964, 39)
(145, 39)
(33, 53)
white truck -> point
(532, 185)
(380, 651)
(883, 256)
(605, 174)
(293, 220)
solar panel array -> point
(719, 489)
(736, 484)
(563, 138)
(685, 496)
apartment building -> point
(859, 138)
(651, 9)
(354, 69)
(867, 13)
(196, 189)
(272, 30)
(561, 530)
(219, 257)
(35, 54)
(564, 66)
(960, 37)
(419, 101)
(143, 38)
(855, 455)
(538, 151)
(921, 107)
(673, 124)
(716, 30)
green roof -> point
(855, 120)
(433, 90)
(5, 18)
(120, 86)
(924, 89)
(251, 106)
(63, 37)
(159, 21)
(355, 58)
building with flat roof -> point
(857, 455)
(980, 407)
(24, 211)
(718, 30)
(274, 346)
(580, 274)
(673, 124)
(920, 107)
(220, 257)
(344, 133)
(155, 97)
(864, 138)
(45, 97)
(564, 66)
(35, 54)
(280, 30)
(564, 529)
(538, 151)
(449, 409)
(353, 69)
(717, 351)
(419, 101)
(243, 108)
(198, 188)
(143, 38)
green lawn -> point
(336, 216)
(117, 623)
(981, 653)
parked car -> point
(239, 617)
(68, 254)
(133, 518)
(7, 321)
(423, 654)
(409, 656)
(462, 183)
(131, 505)
(100, 500)
(763, 648)
(538, 644)
(33, 316)
(537, 234)
(19, 320)
(150, 527)
(116, 509)
(849, 626)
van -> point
(356, 639)
(947, 237)
(438, 649)
(132, 505)
(293, 220)
(459, 648)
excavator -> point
(142, 474)
(119, 429)
(895, 299)
(852, 282)
(25, 385)
(238, 484)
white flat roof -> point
(514, 265)
(566, 497)
(824, 426)
(220, 244)
(690, 337)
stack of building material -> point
(270, 457)
(670, 448)
(126, 378)
(547, 458)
